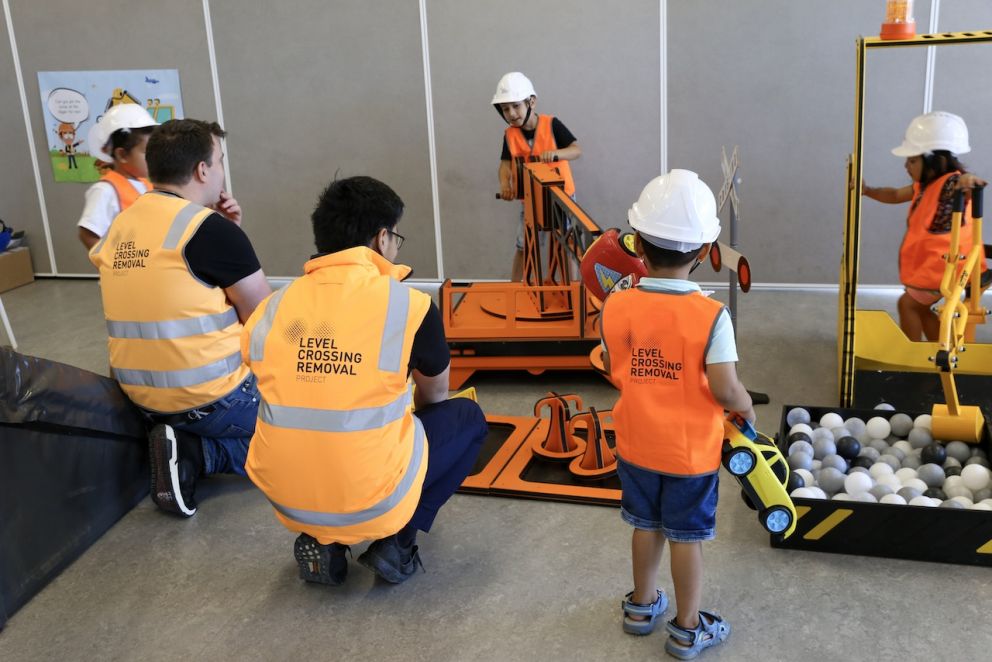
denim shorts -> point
(681, 507)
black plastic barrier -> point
(73, 461)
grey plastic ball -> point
(840, 431)
(885, 406)
(823, 447)
(952, 462)
(979, 452)
(909, 493)
(899, 453)
(801, 447)
(878, 491)
(977, 459)
(800, 461)
(853, 470)
(822, 433)
(797, 415)
(982, 494)
(951, 504)
(901, 424)
(931, 474)
(959, 450)
(836, 462)
(919, 438)
(892, 461)
(831, 480)
(855, 425)
(912, 462)
(879, 444)
(870, 453)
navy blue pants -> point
(455, 431)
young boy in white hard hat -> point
(931, 146)
(118, 139)
(529, 136)
(670, 351)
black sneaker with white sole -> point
(172, 483)
(321, 564)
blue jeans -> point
(681, 507)
(455, 431)
(225, 431)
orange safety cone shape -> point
(598, 461)
(559, 443)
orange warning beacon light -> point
(899, 22)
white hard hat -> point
(513, 87)
(933, 131)
(676, 211)
(121, 116)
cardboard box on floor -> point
(15, 268)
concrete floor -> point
(506, 579)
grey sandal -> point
(650, 614)
(687, 644)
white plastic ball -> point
(890, 481)
(801, 447)
(830, 420)
(806, 475)
(964, 501)
(841, 496)
(922, 501)
(855, 425)
(904, 446)
(981, 505)
(801, 427)
(880, 469)
(953, 482)
(917, 484)
(893, 499)
(866, 497)
(923, 421)
(884, 406)
(958, 491)
(878, 428)
(857, 483)
(905, 474)
(975, 477)
(797, 415)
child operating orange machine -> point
(529, 137)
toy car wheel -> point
(740, 462)
(747, 501)
(776, 519)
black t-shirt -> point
(429, 353)
(563, 137)
(219, 253)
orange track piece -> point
(598, 460)
(559, 444)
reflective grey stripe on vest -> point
(184, 328)
(334, 420)
(96, 249)
(256, 350)
(179, 378)
(179, 224)
(391, 349)
(317, 518)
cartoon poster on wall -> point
(73, 101)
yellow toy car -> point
(758, 465)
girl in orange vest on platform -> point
(529, 136)
(119, 139)
(670, 351)
(931, 146)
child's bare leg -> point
(916, 320)
(687, 575)
(646, 548)
(517, 272)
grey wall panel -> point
(18, 194)
(777, 79)
(593, 64)
(317, 88)
(105, 35)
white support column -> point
(931, 57)
(663, 72)
(216, 82)
(431, 143)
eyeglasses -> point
(399, 239)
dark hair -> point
(937, 164)
(177, 147)
(127, 139)
(666, 258)
(351, 212)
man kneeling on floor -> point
(337, 449)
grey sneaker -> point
(393, 563)
(170, 491)
(321, 564)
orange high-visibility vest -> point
(921, 255)
(666, 418)
(544, 140)
(126, 193)
(174, 341)
(337, 449)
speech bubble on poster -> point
(68, 106)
